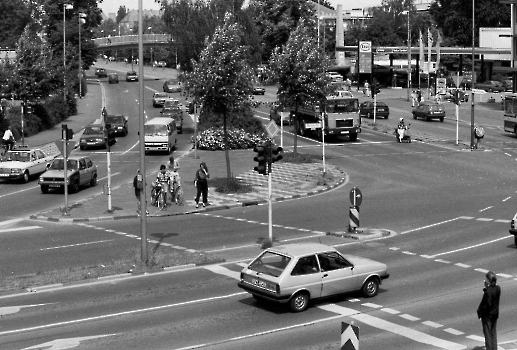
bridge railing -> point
(132, 39)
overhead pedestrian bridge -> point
(131, 41)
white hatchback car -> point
(297, 273)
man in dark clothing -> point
(488, 310)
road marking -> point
(67, 343)
(490, 207)
(431, 225)
(15, 309)
(470, 247)
(12, 221)
(223, 271)
(76, 245)
(19, 229)
(391, 327)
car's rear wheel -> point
(414, 115)
(371, 287)
(441, 119)
(426, 118)
(44, 188)
(515, 240)
(93, 181)
(353, 137)
(299, 302)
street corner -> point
(363, 233)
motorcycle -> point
(402, 133)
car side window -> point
(332, 261)
(305, 266)
(40, 154)
(89, 163)
(82, 164)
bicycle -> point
(158, 196)
(177, 193)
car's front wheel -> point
(25, 177)
(74, 187)
(414, 115)
(370, 287)
(44, 188)
(299, 302)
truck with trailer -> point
(340, 116)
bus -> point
(510, 113)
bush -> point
(213, 139)
(237, 119)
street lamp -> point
(150, 29)
(408, 55)
(65, 7)
(472, 83)
(81, 17)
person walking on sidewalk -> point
(201, 184)
(138, 184)
(488, 310)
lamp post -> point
(151, 31)
(408, 56)
(472, 82)
(65, 7)
(81, 17)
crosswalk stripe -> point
(379, 323)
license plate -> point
(345, 132)
(258, 283)
(4, 175)
(380, 110)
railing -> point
(127, 40)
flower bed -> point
(212, 139)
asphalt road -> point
(449, 207)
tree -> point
(276, 19)
(121, 13)
(221, 80)
(300, 67)
(15, 15)
(454, 18)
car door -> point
(39, 162)
(337, 274)
(83, 172)
(306, 274)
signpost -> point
(65, 147)
(272, 130)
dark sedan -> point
(490, 86)
(428, 111)
(131, 76)
(258, 90)
(366, 110)
(118, 124)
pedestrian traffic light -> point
(111, 140)
(28, 109)
(67, 134)
(261, 159)
(276, 153)
(457, 97)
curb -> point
(363, 234)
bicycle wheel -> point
(179, 196)
(161, 200)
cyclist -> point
(8, 139)
(163, 178)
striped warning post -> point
(354, 219)
(349, 337)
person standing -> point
(172, 168)
(488, 310)
(201, 184)
(138, 184)
(164, 179)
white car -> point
(21, 164)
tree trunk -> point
(226, 153)
(296, 121)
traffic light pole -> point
(64, 134)
(270, 209)
(24, 108)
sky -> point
(112, 6)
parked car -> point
(118, 124)
(113, 78)
(335, 76)
(366, 109)
(172, 85)
(513, 228)
(258, 90)
(294, 274)
(171, 103)
(490, 86)
(428, 111)
(131, 76)
(80, 171)
(161, 64)
(275, 113)
(159, 99)
(21, 164)
(343, 93)
(101, 72)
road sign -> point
(70, 145)
(356, 197)
(272, 129)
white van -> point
(160, 135)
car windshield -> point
(89, 130)
(18, 156)
(59, 164)
(172, 82)
(160, 95)
(156, 130)
(114, 119)
(342, 106)
(270, 263)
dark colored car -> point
(428, 111)
(118, 124)
(131, 76)
(276, 113)
(258, 90)
(101, 72)
(366, 110)
(113, 78)
(490, 86)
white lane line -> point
(223, 271)
(130, 148)
(15, 309)
(432, 324)
(453, 331)
(490, 207)
(372, 305)
(507, 198)
(463, 265)
(428, 226)
(391, 327)
(122, 313)
(481, 270)
(504, 275)
(443, 261)
(409, 317)
(19, 229)
(471, 247)
(76, 245)
(10, 222)
(484, 219)
(390, 311)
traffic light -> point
(67, 134)
(276, 153)
(111, 136)
(375, 89)
(457, 97)
(261, 159)
(28, 109)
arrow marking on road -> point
(69, 343)
(14, 309)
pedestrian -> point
(138, 184)
(164, 179)
(173, 167)
(201, 184)
(488, 310)
(366, 90)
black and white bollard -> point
(354, 219)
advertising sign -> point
(365, 57)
